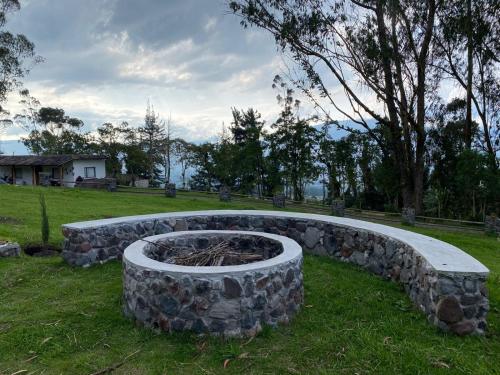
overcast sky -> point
(105, 58)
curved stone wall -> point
(444, 282)
(223, 300)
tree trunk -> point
(397, 146)
(468, 119)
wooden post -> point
(13, 175)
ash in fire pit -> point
(217, 282)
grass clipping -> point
(220, 254)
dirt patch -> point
(9, 220)
(38, 250)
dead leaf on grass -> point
(440, 364)
(201, 346)
(226, 363)
(248, 342)
(46, 340)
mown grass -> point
(55, 319)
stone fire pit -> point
(232, 300)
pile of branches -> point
(220, 254)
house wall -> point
(23, 178)
(68, 175)
(79, 170)
(4, 171)
(70, 172)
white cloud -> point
(105, 58)
(211, 24)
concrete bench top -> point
(443, 257)
(135, 255)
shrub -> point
(45, 220)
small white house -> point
(61, 170)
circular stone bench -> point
(233, 300)
(447, 284)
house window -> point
(89, 172)
(19, 173)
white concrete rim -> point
(134, 255)
(442, 257)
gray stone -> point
(9, 249)
(469, 299)
(225, 310)
(470, 285)
(202, 286)
(463, 328)
(169, 305)
(378, 250)
(311, 237)
(180, 225)
(177, 325)
(199, 326)
(289, 277)
(449, 310)
(447, 286)
(232, 288)
(330, 243)
(248, 320)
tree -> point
(326, 158)
(53, 132)
(28, 118)
(462, 182)
(467, 43)
(296, 142)
(202, 161)
(167, 149)
(111, 143)
(151, 136)
(184, 153)
(16, 52)
(247, 131)
(382, 46)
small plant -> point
(45, 220)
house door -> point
(38, 169)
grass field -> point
(55, 319)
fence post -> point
(408, 216)
(492, 225)
(279, 200)
(170, 190)
(338, 207)
(224, 194)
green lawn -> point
(55, 319)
